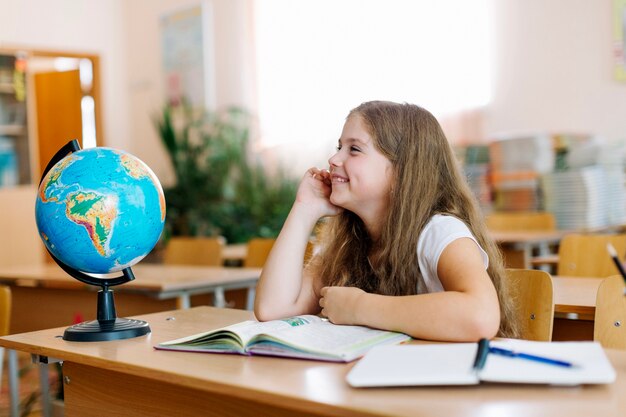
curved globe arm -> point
(68, 148)
(88, 279)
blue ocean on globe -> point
(100, 210)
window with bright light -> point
(316, 60)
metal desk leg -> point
(44, 386)
(250, 298)
(14, 386)
(183, 301)
(218, 298)
(544, 250)
(44, 381)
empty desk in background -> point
(129, 377)
(45, 296)
(517, 247)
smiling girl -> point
(403, 246)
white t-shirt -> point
(438, 233)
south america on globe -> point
(100, 210)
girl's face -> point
(361, 175)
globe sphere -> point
(100, 210)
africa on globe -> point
(100, 210)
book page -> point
(249, 329)
(412, 365)
(240, 333)
(592, 365)
(323, 340)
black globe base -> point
(96, 331)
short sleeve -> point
(438, 233)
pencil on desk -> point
(616, 260)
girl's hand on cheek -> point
(340, 304)
(315, 189)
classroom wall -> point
(229, 49)
(554, 69)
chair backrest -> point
(258, 250)
(534, 304)
(5, 310)
(518, 221)
(194, 251)
(587, 256)
(610, 321)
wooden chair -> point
(534, 305)
(587, 256)
(5, 324)
(205, 251)
(610, 320)
(518, 221)
(199, 251)
(258, 250)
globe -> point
(100, 210)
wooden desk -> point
(44, 295)
(518, 246)
(129, 377)
(574, 307)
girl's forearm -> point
(445, 316)
(280, 291)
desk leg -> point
(219, 300)
(44, 386)
(250, 298)
(183, 301)
(544, 250)
(14, 386)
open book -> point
(306, 336)
(453, 364)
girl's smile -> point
(360, 174)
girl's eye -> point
(354, 149)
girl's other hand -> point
(315, 189)
(339, 304)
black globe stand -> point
(107, 326)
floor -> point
(30, 405)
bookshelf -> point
(15, 147)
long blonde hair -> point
(427, 181)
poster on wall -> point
(184, 56)
(619, 25)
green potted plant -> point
(218, 191)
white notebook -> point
(452, 364)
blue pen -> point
(513, 354)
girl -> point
(403, 247)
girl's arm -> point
(284, 289)
(467, 310)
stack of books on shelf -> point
(475, 162)
(591, 192)
(517, 162)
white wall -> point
(88, 26)
(145, 92)
(554, 69)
